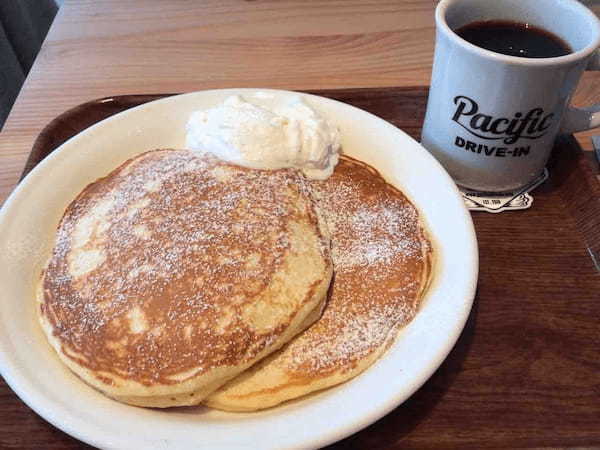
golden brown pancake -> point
(382, 263)
(174, 273)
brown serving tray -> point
(526, 369)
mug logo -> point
(532, 125)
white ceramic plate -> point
(29, 218)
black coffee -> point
(514, 39)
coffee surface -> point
(514, 39)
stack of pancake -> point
(179, 279)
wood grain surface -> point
(110, 47)
(525, 372)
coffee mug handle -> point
(581, 119)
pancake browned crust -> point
(175, 273)
(382, 263)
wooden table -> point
(110, 47)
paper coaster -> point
(506, 201)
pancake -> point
(382, 264)
(176, 272)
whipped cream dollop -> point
(267, 132)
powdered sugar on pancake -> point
(156, 267)
(380, 257)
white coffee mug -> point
(491, 118)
